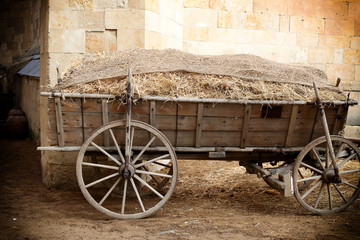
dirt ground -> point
(213, 200)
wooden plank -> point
(266, 139)
(71, 105)
(92, 105)
(268, 124)
(59, 122)
(166, 108)
(220, 139)
(199, 118)
(105, 120)
(223, 110)
(188, 109)
(258, 109)
(291, 125)
(152, 119)
(222, 124)
(245, 128)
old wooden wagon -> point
(127, 162)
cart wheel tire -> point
(323, 195)
(111, 191)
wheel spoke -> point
(124, 196)
(311, 189)
(317, 158)
(144, 149)
(338, 190)
(164, 165)
(349, 184)
(100, 165)
(101, 180)
(327, 156)
(349, 171)
(137, 194)
(110, 190)
(330, 200)
(147, 185)
(106, 153)
(309, 178)
(319, 195)
(346, 160)
(153, 173)
(117, 146)
(152, 160)
(338, 154)
(311, 167)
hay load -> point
(171, 73)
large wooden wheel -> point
(126, 195)
(325, 193)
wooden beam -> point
(245, 127)
(291, 128)
(59, 122)
(152, 118)
(199, 125)
(105, 120)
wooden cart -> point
(127, 162)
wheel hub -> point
(127, 172)
(329, 176)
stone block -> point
(95, 42)
(124, 19)
(334, 41)
(200, 17)
(230, 19)
(224, 35)
(191, 47)
(65, 19)
(130, 38)
(136, 4)
(355, 43)
(338, 55)
(67, 40)
(215, 48)
(343, 71)
(259, 21)
(284, 23)
(354, 10)
(196, 33)
(82, 4)
(321, 55)
(196, 3)
(357, 28)
(307, 39)
(339, 27)
(351, 56)
(270, 6)
(357, 73)
(91, 19)
(352, 131)
(64, 62)
(307, 25)
(58, 5)
(319, 8)
(266, 37)
(154, 40)
(232, 5)
(104, 4)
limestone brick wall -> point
(322, 33)
(19, 28)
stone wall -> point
(28, 97)
(322, 33)
(19, 28)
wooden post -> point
(199, 118)
(59, 122)
(105, 120)
(152, 118)
(245, 127)
(291, 128)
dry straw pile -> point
(170, 73)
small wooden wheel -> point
(106, 186)
(324, 194)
